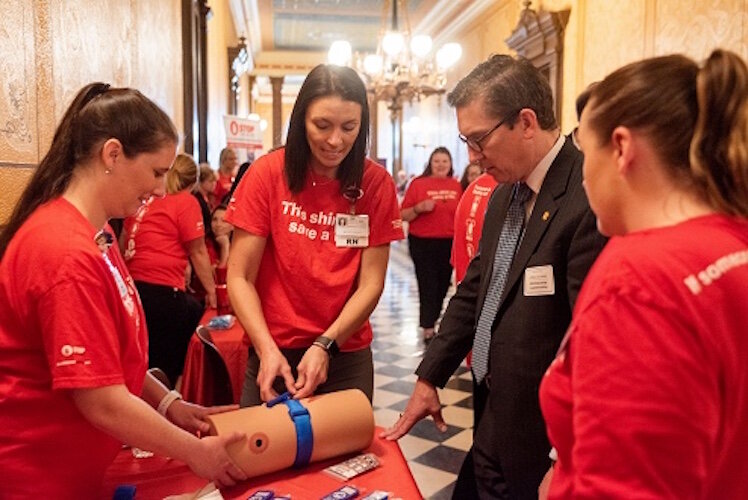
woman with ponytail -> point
(159, 240)
(648, 396)
(73, 341)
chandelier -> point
(404, 66)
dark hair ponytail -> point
(719, 150)
(96, 114)
(696, 118)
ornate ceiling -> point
(289, 35)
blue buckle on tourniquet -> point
(303, 423)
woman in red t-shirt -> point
(206, 185)
(218, 243)
(313, 222)
(159, 241)
(429, 206)
(648, 396)
(73, 342)
(472, 171)
(228, 164)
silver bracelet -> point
(167, 400)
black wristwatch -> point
(328, 345)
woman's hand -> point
(224, 245)
(545, 485)
(312, 371)
(424, 206)
(213, 461)
(192, 417)
(274, 364)
(211, 302)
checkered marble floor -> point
(434, 457)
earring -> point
(107, 171)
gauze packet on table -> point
(223, 322)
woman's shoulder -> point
(269, 166)
(372, 168)
(55, 241)
(452, 182)
(375, 174)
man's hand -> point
(424, 401)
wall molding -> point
(7, 164)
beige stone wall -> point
(265, 110)
(51, 48)
(601, 35)
(221, 35)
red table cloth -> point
(157, 477)
(233, 345)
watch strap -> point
(328, 345)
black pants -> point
(171, 316)
(465, 485)
(348, 370)
(433, 274)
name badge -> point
(351, 231)
(539, 281)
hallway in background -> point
(434, 457)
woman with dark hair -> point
(159, 240)
(239, 174)
(218, 243)
(429, 206)
(648, 397)
(313, 222)
(472, 171)
(73, 341)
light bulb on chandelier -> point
(404, 66)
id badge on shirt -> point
(351, 231)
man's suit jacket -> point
(527, 331)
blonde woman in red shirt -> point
(160, 240)
(228, 165)
(429, 206)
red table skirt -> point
(233, 344)
(157, 477)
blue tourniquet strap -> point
(303, 423)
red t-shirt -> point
(469, 222)
(439, 223)
(304, 279)
(157, 236)
(223, 187)
(649, 397)
(69, 318)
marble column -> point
(277, 84)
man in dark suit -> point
(505, 115)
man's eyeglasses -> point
(475, 144)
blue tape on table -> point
(303, 423)
(124, 492)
